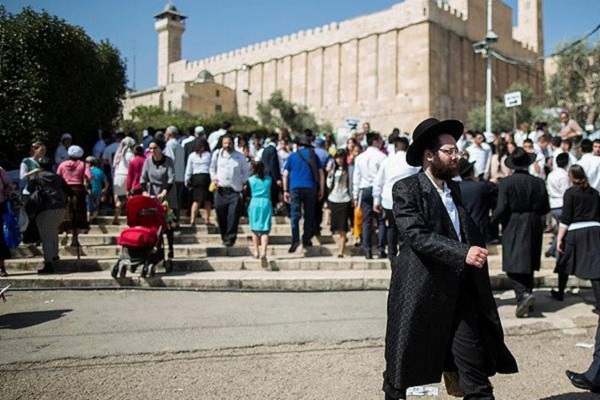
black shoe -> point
(382, 254)
(557, 295)
(525, 305)
(307, 244)
(228, 243)
(293, 247)
(48, 269)
(581, 382)
(547, 254)
(369, 255)
(596, 311)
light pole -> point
(483, 48)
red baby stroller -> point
(142, 243)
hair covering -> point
(198, 130)
(66, 136)
(126, 144)
(75, 152)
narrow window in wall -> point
(218, 109)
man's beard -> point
(443, 171)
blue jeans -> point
(556, 213)
(306, 197)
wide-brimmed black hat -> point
(425, 132)
(519, 159)
(464, 166)
(304, 141)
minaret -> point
(170, 26)
(530, 28)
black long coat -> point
(424, 288)
(522, 204)
(477, 197)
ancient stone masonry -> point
(393, 68)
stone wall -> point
(393, 67)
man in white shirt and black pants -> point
(557, 184)
(366, 166)
(393, 168)
(229, 171)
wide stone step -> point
(246, 280)
(185, 219)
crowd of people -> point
(429, 202)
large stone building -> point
(393, 68)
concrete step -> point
(280, 229)
(375, 279)
(185, 219)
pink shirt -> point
(73, 172)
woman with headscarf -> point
(62, 153)
(158, 179)
(77, 175)
(197, 178)
(123, 157)
(55, 195)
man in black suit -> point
(442, 316)
(476, 196)
(522, 206)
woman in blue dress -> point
(260, 210)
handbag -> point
(12, 233)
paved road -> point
(187, 345)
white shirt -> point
(481, 156)
(229, 169)
(520, 137)
(213, 138)
(174, 151)
(540, 160)
(556, 152)
(197, 164)
(366, 166)
(591, 165)
(340, 193)
(391, 171)
(556, 184)
(446, 197)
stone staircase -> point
(201, 262)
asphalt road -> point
(187, 345)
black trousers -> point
(593, 372)
(227, 207)
(392, 234)
(521, 283)
(366, 205)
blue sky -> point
(223, 25)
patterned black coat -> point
(424, 288)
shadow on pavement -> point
(573, 396)
(27, 319)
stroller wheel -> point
(169, 266)
(115, 270)
(123, 271)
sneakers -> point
(525, 305)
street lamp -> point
(483, 47)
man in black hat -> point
(442, 316)
(522, 206)
(477, 197)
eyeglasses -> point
(451, 151)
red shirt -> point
(134, 173)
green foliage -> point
(145, 116)
(55, 79)
(576, 82)
(278, 112)
(502, 117)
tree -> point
(55, 79)
(145, 116)
(278, 112)
(502, 117)
(576, 83)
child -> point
(96, 190)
